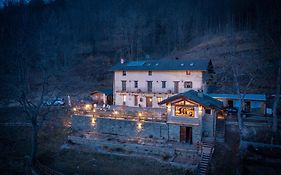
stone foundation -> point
(131, 128)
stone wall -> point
(81, 123)
(130, 128)
(208, 125)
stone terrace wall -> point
(157, 130)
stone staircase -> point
(220, 131)
(207, 151)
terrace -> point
(121, 112)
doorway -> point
(186, 134)
(148, 101)
(135, 100)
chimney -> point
(122, 60)
(200, 93)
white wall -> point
(157, 77)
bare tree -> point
(32, 105)
(242, 82)
(276, 98)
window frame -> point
(186, 83)
(124, 73)
(164, 84)
(123, 85)
(150, 73)
(149, 89)
(136, 84)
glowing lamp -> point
(139, 125)
(93, 121)
(87, 107)
(169, 108)
(115, 112)
(200, 110)
(74, 109)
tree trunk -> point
(239, 117)
(276, 99)
(34, 142)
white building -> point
(146, 83)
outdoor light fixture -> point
(87, 107)
(74, 109)
(139, 126)
(139, 114)
(93, 121)
(115, 112)
(200, 110)
(169, 108)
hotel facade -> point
(147, 83)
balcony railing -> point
(122, 114)
(146, 92)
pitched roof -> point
(204, 100)
(167, 64)
(258, 97)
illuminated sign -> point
(184, 111)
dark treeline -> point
(61, 33)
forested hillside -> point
(78, 41)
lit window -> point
(187, 72)
(159, 99)
(124, 73)
(188, 84)
(136, 84)
(163, 84)
(124, 98)
(150, 73)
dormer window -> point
(187, 72)
(150, 73)
(124, 73)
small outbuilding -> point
(104, 96)
(252, 102)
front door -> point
(135, 100)
(186, 134)
(148, 101)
